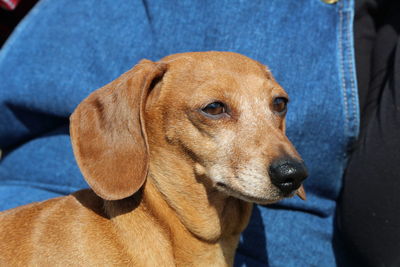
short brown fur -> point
(170, 185)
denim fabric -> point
(62, 52)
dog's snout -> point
(287, 175)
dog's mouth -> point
(300, 192)
(246, 197)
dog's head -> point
(222, 112)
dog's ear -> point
(108, 133)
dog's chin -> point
(262, 200)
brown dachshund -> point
(175, 153)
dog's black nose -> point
(287, 174)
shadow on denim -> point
(35, 123)
(252, 250)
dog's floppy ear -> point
(108, 133)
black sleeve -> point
(369, 208)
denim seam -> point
(341, 64)
(347, 73)
(351, 66)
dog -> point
(175, 153)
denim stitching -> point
(351, 77)
(342, 66)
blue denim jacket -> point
(62, 51)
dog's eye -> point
(215, 108)
(280, 104)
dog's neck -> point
(176, 195)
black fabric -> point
(369, 208)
